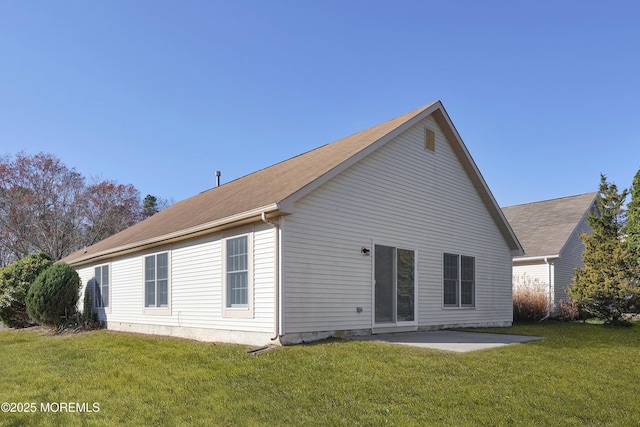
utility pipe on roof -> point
(276, 275)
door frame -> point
(396, 326)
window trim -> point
(248, 311)
(95, 284)
(166, 311)
(459, 280)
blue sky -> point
(161, 94)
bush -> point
(15, 281)
(53, 296)
(568, 311)
(530, 304)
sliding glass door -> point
(394, 285)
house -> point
(549, 232)
(390, 229)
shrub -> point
(53, 296)
(568, 311)
(15, 281)
(530, 304)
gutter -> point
(536, 258)
(276, 276)
(198, 230)
(549, 265)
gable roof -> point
(273, 191)
(544, 227)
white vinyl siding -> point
(532, 274)
(196, 288)
(404, 194)
(570, 258)
(556, 275)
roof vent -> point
(218, 178)
(429, 139)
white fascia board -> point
(535, 258)
(188, 233)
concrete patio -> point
(448, 340)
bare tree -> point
(111, 208)
(47, 207)
(41, 205)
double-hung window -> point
(156, 280)
(101, 287)
(459, 286)
(237, 276)
(237, 272)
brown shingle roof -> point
(543, 228)
(274, 189)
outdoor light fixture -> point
(365, 251)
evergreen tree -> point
(149, 206)
(53, 297)
(633, 223)
(606, 287)
(15, 280)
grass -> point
(579, 374)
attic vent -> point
(429, 140)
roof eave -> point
(252, 215)
(536, 258)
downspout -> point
(276, 276)
(550, 277)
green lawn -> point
(579, 374)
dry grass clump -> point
(530, 299)
(530, 305)
(568, 311)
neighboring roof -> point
(274, 190)
(544, 227)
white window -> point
(458, 281)
(237, 276)
(156, 280)
(101, 287)
(237, 272)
